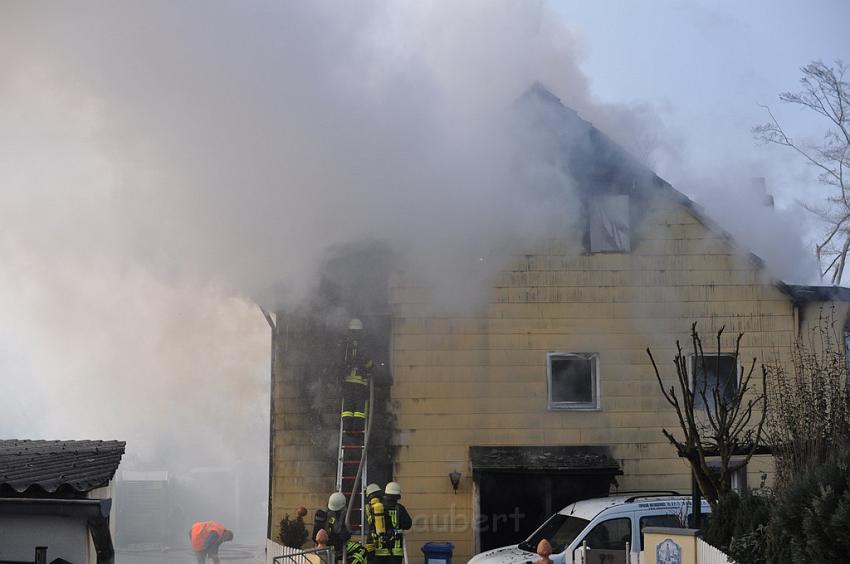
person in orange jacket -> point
(206, 537)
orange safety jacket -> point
(200, 534)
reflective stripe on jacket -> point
(357, 376)
(392, 543)
(355, 552)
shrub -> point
(750, 547)
(293, 532)
(739, 525)
(808, 409)
(811, 518)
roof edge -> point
(815, 294)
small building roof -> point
(807, 294)
(57, 467)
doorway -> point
(511, 505)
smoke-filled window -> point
(573, 380)
(610, 229)
(720, 373)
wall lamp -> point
(455, 476)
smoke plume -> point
(165, 165)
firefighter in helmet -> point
(339, 537)
(375, 519)
(355, 382)
(390, 548)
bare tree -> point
(721, 422)
(826, 93)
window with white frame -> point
(610, 226)
(736, 478)
(573, 380)
(720, 372)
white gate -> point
(707, 554)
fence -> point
(279, 554)
(707, 554)
(662, 544)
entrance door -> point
(513, 504)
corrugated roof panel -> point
(50, 465)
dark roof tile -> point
(81, 466)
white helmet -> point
(355, 325)
(372, 488)
(336, 501)
(393, 489)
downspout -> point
(797, 316)
(272, 356)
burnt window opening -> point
(610, 225)
(573, 380)
(717, 372)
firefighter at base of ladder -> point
(374, 519)
(339, 537)
(355, 383)
(390, 548)
(206, 537)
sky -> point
(704, 68)
(165, 166)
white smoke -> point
(163, 165)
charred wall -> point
(309, 351)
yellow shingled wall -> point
(481, 380)
(301, 473)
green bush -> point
(811, 519)
(750, 548)
(292, 532)
(737, 527)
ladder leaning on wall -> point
(351, 469)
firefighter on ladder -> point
(355, 384)
(339, 537)
(390, 548)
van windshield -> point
(559, 530)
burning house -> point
(495, 415)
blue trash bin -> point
(438, 552)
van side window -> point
(658, 521)
(612, 534)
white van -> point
(606, 524)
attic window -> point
(573, 380)
(610, 229)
